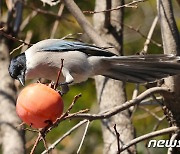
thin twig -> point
(150, 112)
(85, 24)
(118, 139)
(135, 94)
(28, 38)
(78, 112)
(12, 37)
(148, 40)
(155, 128)
(64, 136)
(23, 46)
(20, 125)
(17, 48)
(73, 102)
(136, 91)
(27, 20)
(63, 116)
(149, 135)
(44, 12)
(36, 143)
(150, 101)
(140, 33)
(132, 4)
(146, 115)
(30, 142)
(55, 26)
(85, 132)
(158, 123)
(45, 144)
(31, 130)
(68, 35)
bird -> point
(82, 61)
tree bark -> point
(171, 45)
(110, 92)
(11, 137)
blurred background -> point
(40, 22)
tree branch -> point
(65, 135)
(81, 19)
(132, 4)
(150, 135)
(117, 109)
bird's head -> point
(17, 68)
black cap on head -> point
(17, 68)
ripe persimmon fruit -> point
(38, 104)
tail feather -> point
(141, 69)
(145, 58)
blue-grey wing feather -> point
(63, 46)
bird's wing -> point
(57, 45)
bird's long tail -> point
(140, 69)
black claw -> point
(61, 93)
(62, 84)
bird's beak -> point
(21, 79)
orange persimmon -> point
(38, 104)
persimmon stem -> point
(59, 74)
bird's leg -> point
(64, 85)
(64, 89)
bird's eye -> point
(20, 66)
(16, 71)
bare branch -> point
(14, 50)
(85, 132)
(23, 46)
(36, 143)
(150, 135)
(132, 4)
(87, 27)
(27, 40)
(136, 91)
(45, 144)
(134, 95)
(148, 40)
(117, 109)
(178, 1)
(169, 30)
(158, 123)
(27, 20)
(118, 140)
(55, 26)
(12, 37)
(150, 112)
(140, 33)
(64, 115)
(146, 115)
(65, 135)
